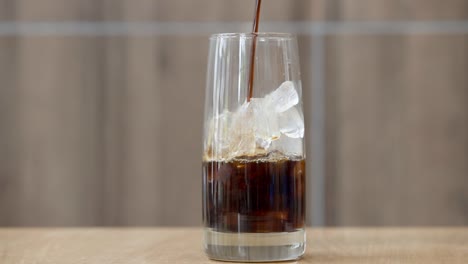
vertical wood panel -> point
(114, 129)
(397, 120)
(56, 10)
(132, 116)
(240, 10)
(368, 112)
(8, 125)
(7, 10)
(402, 10)
(9, 183)
(57, 167)
(143, 156)
(182, 92)
(437, 130)
(143, 115)
(57, 159)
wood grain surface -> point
(184, 245)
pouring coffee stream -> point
(254, 47)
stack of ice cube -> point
(260, 126)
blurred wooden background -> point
(105, 129)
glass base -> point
(255, 247)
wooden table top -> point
(183, 245)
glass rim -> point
(262, 35)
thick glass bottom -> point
(254, 247)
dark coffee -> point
(254, 195)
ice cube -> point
(221, 128)
(288, 146)
(265, 123)
(291, 123)
(217, 141)
(259, 126)
(282, 98)
(242, 131)
(242, 145)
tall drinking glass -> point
(254, 158)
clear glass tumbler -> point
(254, 157)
